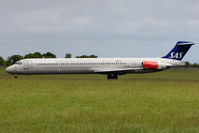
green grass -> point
(159, 102)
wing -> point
(118, 71)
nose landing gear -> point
(15, 76)
(112, 76)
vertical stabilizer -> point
(179, 51)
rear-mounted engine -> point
(154, 65)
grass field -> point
(161, 102)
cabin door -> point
(25, 65)
(133, 64)
(138, 64)
(15, 68)
(28, 65)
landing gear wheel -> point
(112, 76)
(115, 77)
(109, 76)
(15, 76)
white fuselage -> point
(89, 66)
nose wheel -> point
(112, 76)
(15, 76)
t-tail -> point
(179, 51)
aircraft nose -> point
(9, 69)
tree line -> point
(188, 64)
(14, 58)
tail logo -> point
(176, 55)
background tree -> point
(30, 55)
(93, 56)
(49, 55)
(2, 61)
(13, 59)
(82, 56)
(195, 65)
(38, 55)
(187, 64)
(87, 56)
(68, 55)
(34, 55)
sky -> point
(106, 28)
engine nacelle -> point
(155, 65)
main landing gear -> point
(110, 76)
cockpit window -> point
(18, 62)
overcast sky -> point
(107, 28)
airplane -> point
(112, 67)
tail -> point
(179, 51)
